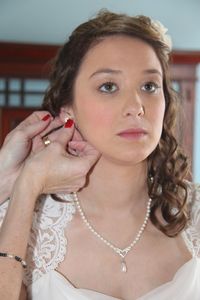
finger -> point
(85, 151)
(77, 135)
(33, 118)
(52, 131)
(37, 144)
(24, 134)
(53, 125)
(82, 147)
(77, 146)
(34, 129)
(64, 134)
(39, 119)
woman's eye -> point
(108, 87)
(150, 87)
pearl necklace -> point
(121, 252)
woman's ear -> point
(66, 113)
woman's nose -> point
(134, 107)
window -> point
(22, 92)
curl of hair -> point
(168, 167)
(167, 164)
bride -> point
(98, 206)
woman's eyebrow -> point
(153, 71)
(113, 71)
(105, 71)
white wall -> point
(50, 21)
(196, 164)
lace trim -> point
(47, 243)
(191, 234)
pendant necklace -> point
(121, 252)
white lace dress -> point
(48, 246)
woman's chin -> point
(126, 159)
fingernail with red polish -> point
(69, 123)
(46, 117)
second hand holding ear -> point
(54, 169)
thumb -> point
(66, 133)
(86, 152)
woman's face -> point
(118, 99)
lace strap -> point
(47, 243)
(191, 234)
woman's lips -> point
(133, 133)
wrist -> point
(7, 177)
(6, 185)
(28, 181)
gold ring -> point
(46, 141)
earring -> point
(67, 117)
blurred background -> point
(31, 32)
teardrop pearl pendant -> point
(123, 266)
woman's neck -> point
(115, 189)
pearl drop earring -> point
(67, 117)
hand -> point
(62, 166)
(19, 143)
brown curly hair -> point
(167, 165)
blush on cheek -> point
(97, 117)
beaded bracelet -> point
(17, 258)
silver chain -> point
(121, 252)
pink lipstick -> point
(133, 133)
